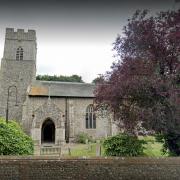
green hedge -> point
(123, 145)
(13, 141)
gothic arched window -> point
(19, 53)
(90, 117)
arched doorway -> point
(48, 132)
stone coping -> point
(134, 160)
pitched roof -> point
(61, 89)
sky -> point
(74, 36)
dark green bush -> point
(13, 141)
(81, 138)
(123, 145)
(171, 143)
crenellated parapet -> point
(20, 34)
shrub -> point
(171, 143)
(123, 145)
(81, 138)
(13, 141)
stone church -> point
(51, 112)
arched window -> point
(90, 117)
(19, 53)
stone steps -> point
(52, 150)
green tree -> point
(73, 78)
(13, 141)
(98, 80)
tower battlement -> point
(20, 34)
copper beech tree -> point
(143, 84)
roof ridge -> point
(63, 82)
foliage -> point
(152, 147)
(171, 143)
(143, 86)
(73, 78)
(82, 138)
(13, 141)
(123, 145)
(99, 79)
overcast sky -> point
(73, 36)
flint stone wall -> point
(54, 168)
(76, 115)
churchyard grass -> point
(153, 148)
(87, 150)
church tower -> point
(18, 70)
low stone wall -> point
(46, 168)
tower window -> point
(90, 117)
(19, 53)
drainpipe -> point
(66, 121)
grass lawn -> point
(153, 148)
(88, 150)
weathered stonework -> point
(55, 168)
(64, 104)
(18, 73)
